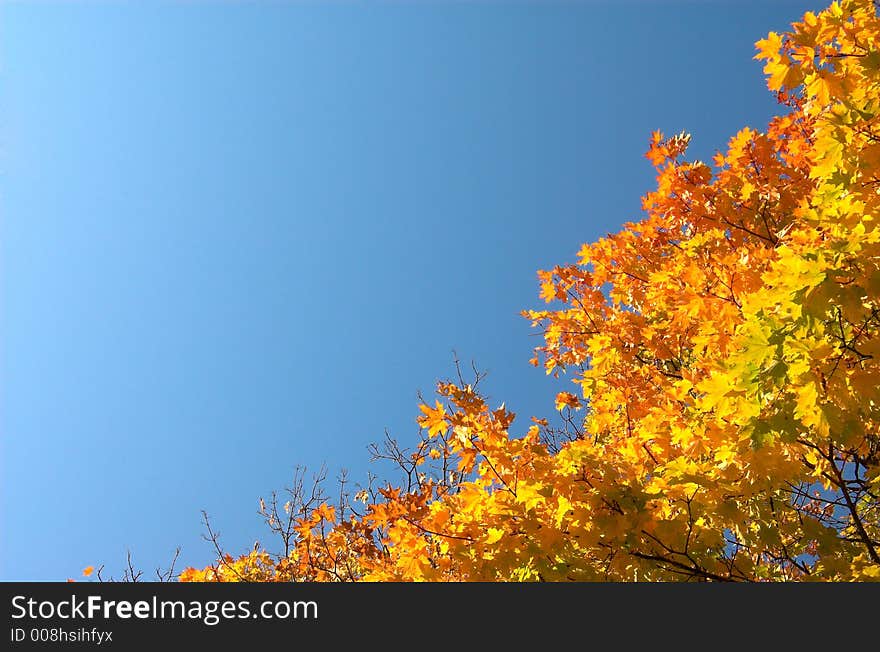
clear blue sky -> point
(237, 237)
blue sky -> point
(237, 237)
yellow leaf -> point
(494, 535)
(567, 400)
(563, 507)
(434, 419)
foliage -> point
(725, 357)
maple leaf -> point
(567, 400)
(434, 419)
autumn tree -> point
(724, 354)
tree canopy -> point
(725, 359)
